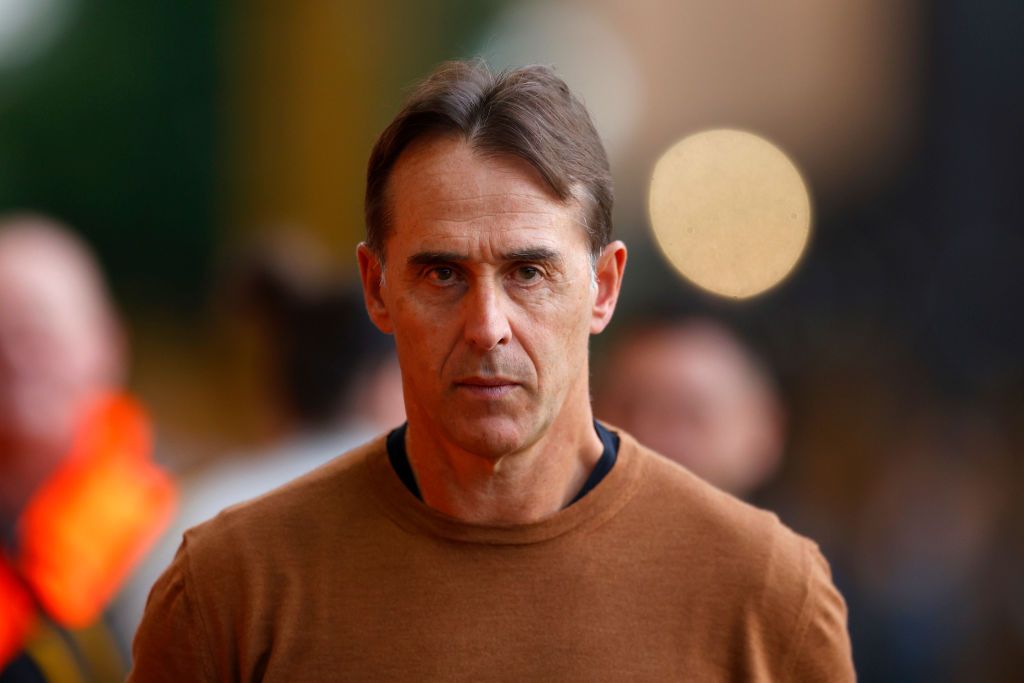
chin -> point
(491, 437)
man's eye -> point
(441, 274)
(527, 273)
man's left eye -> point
(527, 273)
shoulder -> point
(172, 643)
(321, 501)
(232, 569)
(754, 570)
(729, 533)
(686, 505)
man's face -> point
(488, 289)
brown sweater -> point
(345, 575)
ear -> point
(371, 271)
(610, 267)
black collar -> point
(400, 460)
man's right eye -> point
(441, 274)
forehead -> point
(444, 193)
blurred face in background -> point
(57, 342)
(488, 290)
(692, 393)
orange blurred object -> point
(91, 522)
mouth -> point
(486, 387)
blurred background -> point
(183, 142)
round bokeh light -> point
(730, 211)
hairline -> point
(579, 193)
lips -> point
(486, 381)
(486, 387)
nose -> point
(486, 322)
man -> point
(501, 533)
(80, 500)
(689, 389)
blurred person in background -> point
(333, 378)
(689, 389)
(331, 370)
(80, 500)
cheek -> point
(572, 324)
(555, 336)
(565, 305)
(423, 336)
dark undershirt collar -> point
(400, 460)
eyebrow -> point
(536, 254)
(539, 254)
(426, 258)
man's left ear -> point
(610, 267)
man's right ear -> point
(371, 271)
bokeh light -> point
(29, 27)
(729, 211)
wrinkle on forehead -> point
(493, 204)
(460, 199)
(448, 197)
(483, 243)
(441, 169)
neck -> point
(520, 487)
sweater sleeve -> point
(171, 643)
(821, 649)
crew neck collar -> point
(599, 505)
(399, 459)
